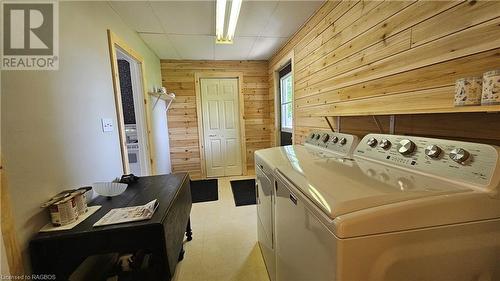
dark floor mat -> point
(204, 190)
(244, 192)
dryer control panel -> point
(459, 161)
(339, 143)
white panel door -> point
(221, 127)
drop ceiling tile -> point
(289, 16)
(161, 45)
(187, 18)
(265, 47)
(195, 47)
(254, 16)
(263, 26)
(138, 15)
(239, 50)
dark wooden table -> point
(61, 252)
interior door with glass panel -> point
(221, 127)
(286, 105)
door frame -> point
(8, 230)
(116, 42)
(201, 139)
(288, 58)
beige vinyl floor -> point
(224, 245)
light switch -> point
(107, 124)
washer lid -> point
(341, 186)
(290, 154)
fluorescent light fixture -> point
(233, 19)
(219, 19)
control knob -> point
(385, 144)
(371, 172)
(313, 135)
(325, 138)
(372, 142)
(406, 147)
(335, 139)
(383, 177)
(404, 184)
(433, 151)
(317, 136)
(459, 155)
(343, 141)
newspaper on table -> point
(129, 214)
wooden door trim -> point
(199, 113)
(115, 41)
(288, 58)
(11, 244)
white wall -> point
(160, 130)
(51, 131)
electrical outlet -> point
(107, 124)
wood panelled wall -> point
(385, 57)
(178, 76)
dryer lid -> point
(340, 186)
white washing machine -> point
(321, 146)
(406, 208)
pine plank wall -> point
(179, 77)
(358, 59)
(363, 57)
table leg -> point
(189, 232)
(181, 254)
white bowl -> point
(109, 188)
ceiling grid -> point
(186, 29)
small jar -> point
(468, 91)
(491, 88)
(64, 212)
(81, 201)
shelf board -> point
(163, 97)
(458, 109)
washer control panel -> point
(339, 143)
(460, 161)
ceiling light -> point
(233, 19)
(219, 20)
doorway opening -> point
(285, 114)
(221, 137)
(133, 112)
(131, 108)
